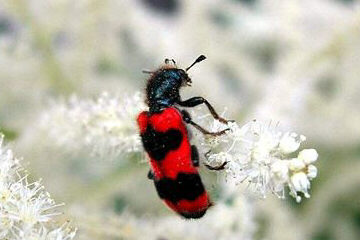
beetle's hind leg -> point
(218, 168)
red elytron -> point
(165, 171)
(165, 138)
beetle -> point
(165, 138)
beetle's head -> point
(181, 74)
(171, 72)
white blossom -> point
(104, 127)
(26, 210)
(264, 157)
(308, 155)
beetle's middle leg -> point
(187, 119)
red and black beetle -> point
(165, 138)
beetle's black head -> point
(164, 85)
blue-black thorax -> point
(163, 88)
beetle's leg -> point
(221, 167)
(187, 119)
(147, 71)
(206, 132)
(186, 116)
(194, 156)
(218, 168)
(150, 175)
(194, 101)
(194, 151)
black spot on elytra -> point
(158, 144)
(187, 186)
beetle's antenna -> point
(199, 59)
(147, 71)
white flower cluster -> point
(104, 127)
(26, 209)
(264, 157)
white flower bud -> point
(289, 143)
(296, 164)
(280, 171)
(308, 156)
(300, 182)
(312, 172)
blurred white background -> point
(296, 62)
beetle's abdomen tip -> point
(193, 215)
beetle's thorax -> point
(163, 88)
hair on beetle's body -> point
(165, 138)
